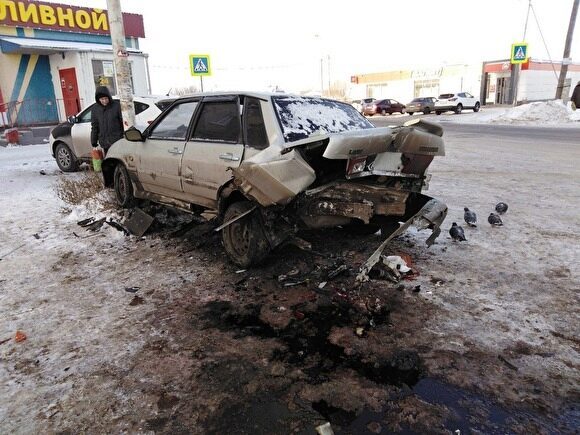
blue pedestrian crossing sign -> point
(519, 53)
(199, 65)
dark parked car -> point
(383, 107)
(423, 104)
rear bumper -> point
(445, 108)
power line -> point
(542, 35)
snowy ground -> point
(495, 323)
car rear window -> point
(164, 104)
(140, 107)
(301, 117)
(445, 96)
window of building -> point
(104, 75)
(426, 88)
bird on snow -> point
(456, 233)
(501, 207)
(494, 220)
(470, 217)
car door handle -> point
(229, 156)
(175, 150)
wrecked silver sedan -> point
(271, 164)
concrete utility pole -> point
(120, 56)
(564, 69)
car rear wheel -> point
(438, 112)
(123, 187)
(427, 111)
(383, 112)
(458, 109)
(410, 113)
(244, 240)
(65, 159)
(476, 107)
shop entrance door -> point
(503, 90)
(70, 91)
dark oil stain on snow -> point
(308, 340)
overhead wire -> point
(543, 40)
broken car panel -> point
(272, 164)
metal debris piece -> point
(231, 221)
(139, 222)
(132, 289)
(95, 225)
(117, 226)
(322, 284)
(340, 269)
(86, 222)
(431, 215)
(325, 429)
(36, 236)
(240, 271)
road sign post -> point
(199, 66)
(519, 55)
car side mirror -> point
(72, 119)
(134, 135)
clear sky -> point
(257, 44)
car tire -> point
(123, 187)
(438, 112)
(476, 107)
(410, 113)
(383, 112)
(244, 240)
(458, 108)
(427, 111)
(65, 158)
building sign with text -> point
(54, 16)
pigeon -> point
(470, 217)
(494, 220)
(501, 207)
(456, 233)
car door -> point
(469, 100)
(396, 106)
(81, 133)
(215, 145)
(159, 159)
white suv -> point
(456, 102)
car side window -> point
(468, 95)
(461, 94)
(254, 129)
(219, 121)
(174, 125)
(85, 116)
(140, 107)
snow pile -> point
(544, 112)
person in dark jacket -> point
(576, 96)
(106, 120)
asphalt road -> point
(567, 135)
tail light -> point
(356, 165)
(453, 99)
(149, 122)
(374, 106)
